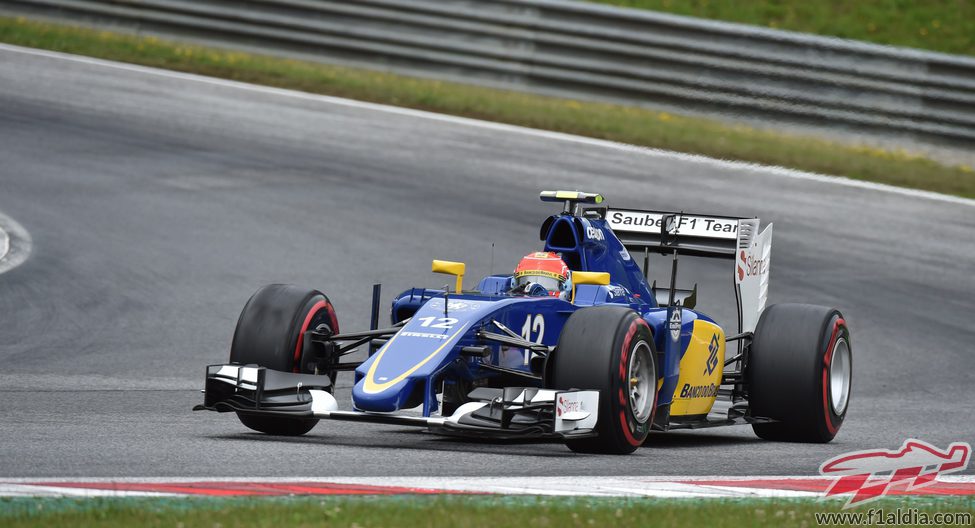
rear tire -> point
(603, 348)
(800, 371)
(270, 332)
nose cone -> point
(390, 379)
(391, 376)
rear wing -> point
(725, 237)
(697, 235)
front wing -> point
(510, 412)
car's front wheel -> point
(270, 332)
(609, 349)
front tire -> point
(269, 333)
(609, 349)
(799, 372)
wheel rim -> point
(642, 382)
(839, 376)
(315, 317)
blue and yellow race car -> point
(577, 344)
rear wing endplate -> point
(726, 237)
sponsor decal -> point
(870, 474)
(749, 265)
(540, 273)
(701, 226)
(617, 291)
(456, 305)
(698, 391)
(424, 334)
(625, 254)
(594, 234)
(567, 406)
(752, 272)
(675, 324)
(712, 362)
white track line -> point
(559, 136)
(443, 479)
(662, 487)
(665, 487)
(25, 490)
(4, 243)
(15, 243)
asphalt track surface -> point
(158, 203)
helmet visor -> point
(549, 283)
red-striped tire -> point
(800, 372)
(270, 332)
(600, 349)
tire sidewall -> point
(788, 372)
(631, 333)
(835, 330)
(593, 353)
(278, 346)
(316, 311)
(269, 333)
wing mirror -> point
(451, 268)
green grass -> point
(938, 25)
(625, 124)
(455, 512)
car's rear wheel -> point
(609, 349)
(270, 332)
(800, 372)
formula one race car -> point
(590, 352)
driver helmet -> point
(545, 268)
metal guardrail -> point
(587, 51)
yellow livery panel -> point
(700, 371)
